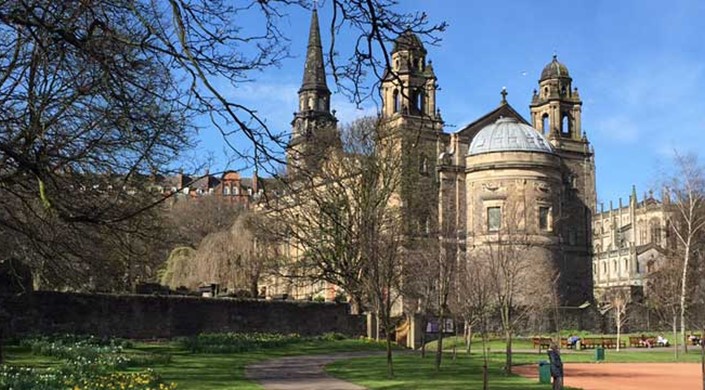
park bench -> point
(590, 342)
(611, 342)
(541, 342)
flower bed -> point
(88, 363)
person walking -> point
(554, 356)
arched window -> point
(545, 123)
(419, 101)
(396, 101)
(565, 125)
(655, 228)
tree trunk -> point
(619, 327)
(684, 280)
(423, 338)
(439, 346)
(485, 373)
(675, 334)
(508, 362)
(702, 357)
(468, 337)
(390, 366)
(377, 327)
(2, 360)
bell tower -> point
(409, 87)
(556, 106)
(413, 124)
(555, 111)
(314, 125)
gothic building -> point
(501, 175)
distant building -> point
(629, 241)
(229, 187)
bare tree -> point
(96, 90)
(194, 219)
(687, 190)
(520, 272)
(663, 289)
(618, 302)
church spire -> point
(314, 71)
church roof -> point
(504, 110)
(408, 41)
(554, 69)
(509, 135)
(314, 71)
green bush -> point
(236, 342)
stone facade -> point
(629, 241)
(538, 174)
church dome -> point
(408, 41)
(554, 69)
(509, 135)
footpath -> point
(302, 372)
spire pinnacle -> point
(504, 95)
(314, 71)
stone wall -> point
(149, 317)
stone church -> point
(502, 174)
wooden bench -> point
(590, 342)
(611, 342)
(541, 342)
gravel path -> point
(302, 372)
(626, 376)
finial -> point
(315, 4)
(504, 95)
(555, 54)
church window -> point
(545, 91)
(396, 101)
(321, 104)
(544, 123)
(226, 190)
(420, 101)
(655, 231)
(604, 268)
(614, 265)
(423, 166)
(236, 191)
(626, 264)
(544, 216)
(396, 63)
(494, 219)
(565, 125)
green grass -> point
(413, 372)
(207, 371)
(226, 371)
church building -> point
(503, 175)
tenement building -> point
(523, 182)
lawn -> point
(413, 372)
(199, 371)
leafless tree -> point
(618, 302)
(520, 272)
(98, 90)
(663, 289)
(324, 214)
(194, 219)
(687, 191)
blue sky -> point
(639, 66)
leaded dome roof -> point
(554, 69)
(508, 134)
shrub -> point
(236, 342)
